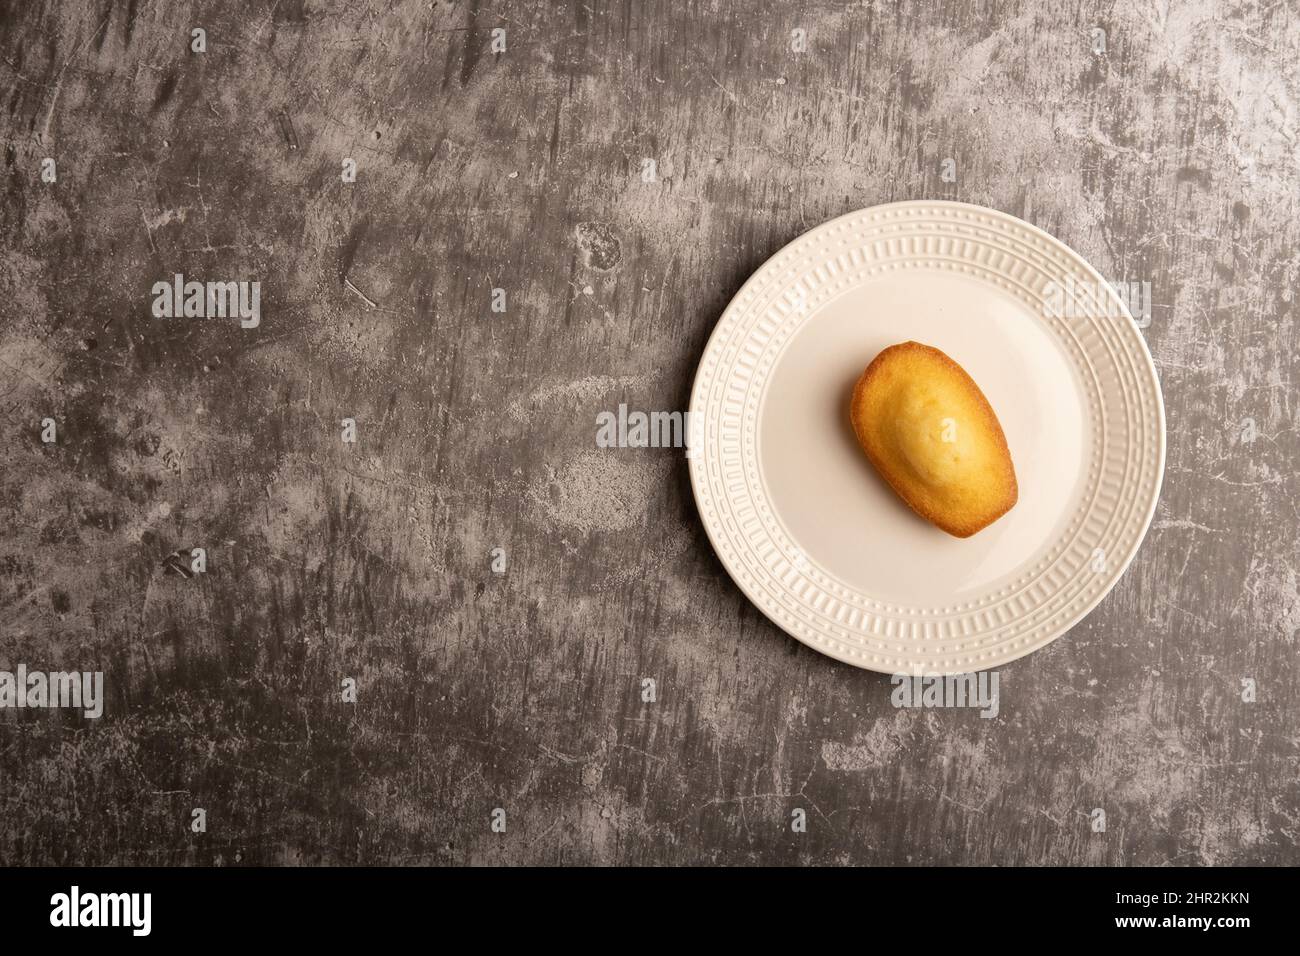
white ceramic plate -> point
(820, 543)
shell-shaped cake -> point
(930, 432)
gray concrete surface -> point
(1163, 147)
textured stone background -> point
(1171, 158)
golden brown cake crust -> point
(961, 495)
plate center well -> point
(830, 499)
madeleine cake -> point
(930, 432)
